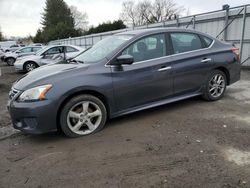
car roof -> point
(138, 32)
(58, 45)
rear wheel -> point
(215, 86)
(83, 115)
(10, 61)
(29, 66)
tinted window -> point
(25, 50)
(14, 46)
(70, 49)
(207, 41)
(147, 48)
(35, 49)
(54, 50)
(184, 42)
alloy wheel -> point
(217, 85)
(84, 117)
(30, 67)
(10, 61)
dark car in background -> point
(122, 74)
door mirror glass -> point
(125, 60)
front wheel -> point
(10, 61)
(215, 86)
(29, 66)
(83, 115)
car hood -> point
(47, 74)
(10, 54)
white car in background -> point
(13, 48)
(1, 54)
(42, 57)
(10, 57)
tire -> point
(215, 86)
(10, 61)
(83, 115)
(29, 66)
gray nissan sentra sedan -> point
(122, 74)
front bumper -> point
(2, 58)
(18, 66)
(33, 117)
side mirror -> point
(18, 52)
(125, 60)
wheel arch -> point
(226, 72)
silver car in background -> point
(10, 57)
(13, 47)
(29, 63)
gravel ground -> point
(190, 143)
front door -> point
(148, 79)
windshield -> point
(101, 49)
(39, 52)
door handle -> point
(206, 60)
(164, 68)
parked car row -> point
(10, 57)
(30, 57)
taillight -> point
(236, 51)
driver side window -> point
(54, 50)
(150, 47)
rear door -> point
(148, 79)
(191, 61)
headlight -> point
(35, 94)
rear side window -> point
(25, 50)
(207, 41)
(184, 42)
(150, 47)
(71, 49)
(35, 49)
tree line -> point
(61, 21)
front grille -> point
(13, 93)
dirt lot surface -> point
(191, 143)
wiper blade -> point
(76, 61)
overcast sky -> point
(22, 17)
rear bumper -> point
(33, 117)
(235, 73)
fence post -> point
(243, 31)
(193, 22)
(177, 21)
(85, 41)
(226, 22)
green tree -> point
(108, 26)
(57, 22)
(39, 37)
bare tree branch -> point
(80, 18)
(146, 11)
